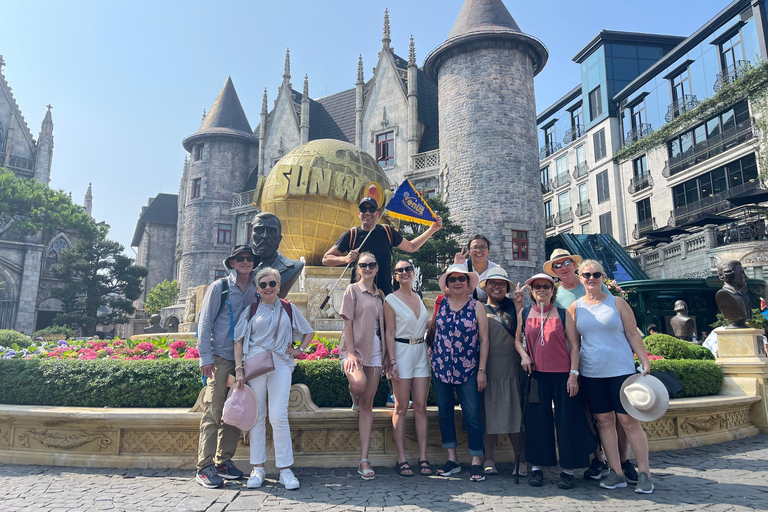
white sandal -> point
(366, 474)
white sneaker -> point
(256, 478)
(288, 479)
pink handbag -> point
(257, 365)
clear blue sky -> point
(128, 80)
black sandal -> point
(425, 468)
(449, 468)
(476, 473)
(402, 467)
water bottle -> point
(693, 338)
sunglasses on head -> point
(367, 209)
(366, 266)
(264, 284)
(460, 278)
(542, 286)
(590, 275)
(241, 259)
(566, 263)
(404, 270)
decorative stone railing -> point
(428, 160)
(244, 199)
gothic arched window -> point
(54, 250)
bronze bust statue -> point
(682, 324)
(266, 236)
(732, 299)
(154, 325)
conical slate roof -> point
(226, 117)
(484, 20)
(484, 15)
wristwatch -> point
(303, 350)
(575, 372)
(481, 370)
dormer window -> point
(385, 149)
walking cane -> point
(328, 297)
(526, 389)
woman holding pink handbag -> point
(265, 330)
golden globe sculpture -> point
(315, 189)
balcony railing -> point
(639, 183)
(642, 227)
(685, 103)
(243, 199)
(709, 148)
(580, 170)
(731, 74)
(546, 187)
(574, 133)
(428, 160)
(549, 221)
(637, 133)
(583, 208)
(715, 203)
(561, 180)
(564, 217)
(549, 149)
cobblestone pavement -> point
(729, 476)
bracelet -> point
(241, 367)
(481, 370)
(574, 372)
(393, 362)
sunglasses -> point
(366, 266)
(404, 270)
(461, 279)
(566, 263)
(241, 259)
(264, 284)
(590, 275)
(367, 209)
(542, 287)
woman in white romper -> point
(406, 318)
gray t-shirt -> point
(605, 350)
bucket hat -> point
(497, 273)
(240, 408)
(545, 277)
(459, 269)
(557, 255)
(237, 250)
(644, 397)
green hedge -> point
(668, 347)
(100, 383)
(702, 353)
(10, 337)
(698, 378)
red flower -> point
(173, 354)
(145, 346)
(192, 353)
(176, 345)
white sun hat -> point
(644, 397)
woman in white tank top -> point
(609, 337)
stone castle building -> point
(25, 261)
(462, 125)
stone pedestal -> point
(319, 281)
(744, 364)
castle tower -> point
(488, 147)
(222, 153)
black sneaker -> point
(208, 478)
(630, 474)
(597, 470)
(566, 481)
(537, 478)
(228, 471)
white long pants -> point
(273, 388)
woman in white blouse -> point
(406, 318)
(267, 327)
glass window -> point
(686, 141)
(674, 148)
(681, 85)
(196, 188)
(700, 134)
(199, 151)
(644, 210)
(705, 185)
(562, 165)
(638, 115)
(742, 112)
(385, 149)
(224, 234)
(719, 183)
(545, 177)
(713, 127)
(595, 104)
(727, 119)
(749, 168)
(585, 229)
(519, 245)
(564, 203)
(691, 191)
(577, 119)
(583, 193)
(605, 224)
(580, 155)
(548, 209)
(731, 51)
(734, 175)
(679, 193)
(640, 167)
(603, 193)
(598, 141)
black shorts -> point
(603, 394)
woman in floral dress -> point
(458, 357)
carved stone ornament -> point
(701, 424)
(64, 440)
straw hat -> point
(240, 408)
(644, 397)
(499, 274)
(557, 255)
(457, 268)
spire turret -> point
(360, 74)
(287, 65)
(264, 103)
(385, 38)
(88, 200)
(305, 92)
(411, 52)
